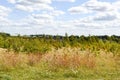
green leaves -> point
(44, 43)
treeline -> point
(44, 43)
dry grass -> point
(68, 58)
(33, 59)
(62, 58)
(61, 64)
(75, 58)
(10, 60)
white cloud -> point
(30, 2)
(42, 16)
(95, 5)
(108, 16)
(4, 11)
(65, 0)
(12, 1)
(116, 5)
(57, 13)
(97, 18)
(32, 8)
(104, 14)
(35, 21)
(30, 5)
(78, 10)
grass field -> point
(61, 64)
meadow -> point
(59, 58)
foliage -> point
(44, 43)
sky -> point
(75, 17)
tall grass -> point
(11, 60)
(59, 64)
(69, 59)
(62, 58)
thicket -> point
(44, 43)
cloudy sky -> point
(78, 17)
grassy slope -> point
(63, 64)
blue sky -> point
(78, 17)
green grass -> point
(63, 64)
(35, 73)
